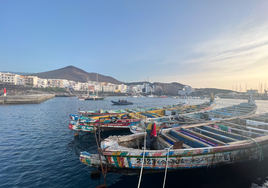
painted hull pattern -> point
(182, 159)
(209, 144)
(117, 112)
(105, 125)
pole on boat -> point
(144, 147)
(77, 124)
(104, 172)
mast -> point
(97, 84)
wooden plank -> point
(228, 134)
(215, 135)
(189, 140)
(220, 143)
(176, 140)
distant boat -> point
(163, 96)
(122, 102)
(94, 98)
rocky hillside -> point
(75, 74)
(167, 88)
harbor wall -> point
(25, 99)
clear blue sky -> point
(200, 43)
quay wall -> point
(25, 99)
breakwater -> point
(25, 99)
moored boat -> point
(105, 124)
(131, 119)
(202, 145)
(117, 112)
(199, 117)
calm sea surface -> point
(38, 150)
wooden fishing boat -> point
(116, 112)
(123, 121)
(106, 124)
(211, 115)
(205, 145)
(122, 102)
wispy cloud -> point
(239, 48)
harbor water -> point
(38, 150)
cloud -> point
(242, 48)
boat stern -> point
(92, 160)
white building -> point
(42, 82)
(137, 89)
(149, 89)
(108, 87)
(11, 78)
(122, 88)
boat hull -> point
(109, 126)
(155, 160)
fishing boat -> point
(106, 124)
(120, 121)
(205, 145)
(116, 112)
(87, 123)
(122, 102)
(197, 117)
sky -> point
(208, 43)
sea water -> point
(38, 150)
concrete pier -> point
(25, 99)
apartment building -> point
(11, 78)
(108, 87)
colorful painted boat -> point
(116, 112)
(216, 114)
(87, 125)
(206, 145)
(128, 119)
(197, 117)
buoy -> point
(95, 174)
(76, 134)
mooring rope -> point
(144, 147)
(261, 153)
(164, 183)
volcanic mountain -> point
(75, 74)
